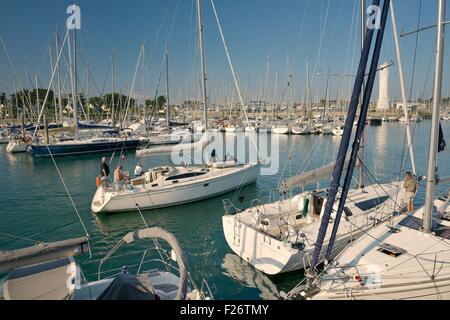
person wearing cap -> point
(411, 187)
(104, 169)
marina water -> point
(35, 206)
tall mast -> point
(143, 91)
(289, 90)
(113, 108)
(202, 61)
(37, 93)
(403, 90)
(167, 89)
(59, 81)
(53, 86)
(87, 92)
(74, 85)
(432, 169)
(308, 93)
(361, 181)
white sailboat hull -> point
(280, 130)
(16, 147)
(269, 255)
(287, 251)
(148, 197)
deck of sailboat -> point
(376, 202)
(402, 262)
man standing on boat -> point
(411, 187)
(104, 169)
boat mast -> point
(59, 80)
(74, 84)
(308, 95)
(202, 61)
(403, 90)
(361, 182)
(434, 141)
(167, 89)
(113, 109)
(289, 106)
(143, 91)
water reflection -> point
(239, 270)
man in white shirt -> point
(138, 170)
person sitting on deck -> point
(138, 170)
(119, 178)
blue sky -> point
(253, 29)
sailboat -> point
(338, 131)
(281, 236)
(49, 271)
(170, 186)
(278, 237)
(306, 128)
(75, 145)
(407, 259)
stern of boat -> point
(100, 200)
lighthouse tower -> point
(383, 97)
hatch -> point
(391, 250)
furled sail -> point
(312, 176)
(10, 260)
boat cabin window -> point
(372, 203)
(185, 176)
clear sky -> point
(323, 32)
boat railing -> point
(205, 291)
(230, 208)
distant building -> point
(412, 107)
(383, 97)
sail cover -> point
(129, 287)
(313, 176)
(10, 260)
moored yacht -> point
(50, 272)
(280, 237)
(171, 186)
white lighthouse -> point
(383, 97)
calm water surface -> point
(34, 205)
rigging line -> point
(14, 70)
(13, 237)
(50, 84)
(132, 86)
(158, 33)
(68, 193)
(415, 51)
(90, 76)
(232, 71)
(321, 41)
(418, 256)
(375, 180)
(33, 235)
(173, 21)
(300, 36)
(335, 28)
